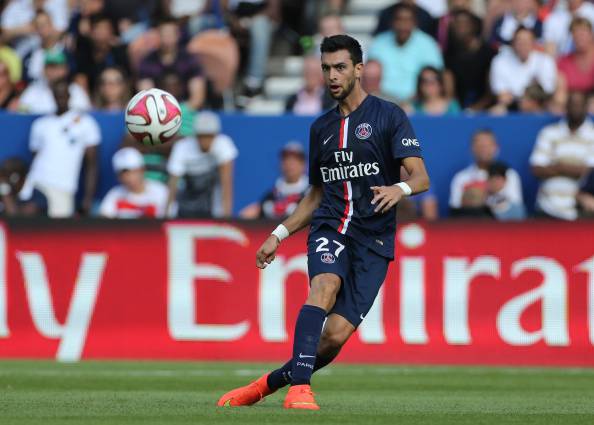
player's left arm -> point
(385, 197)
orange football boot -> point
(300, 397)
(248, 395)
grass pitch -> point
(91, 393)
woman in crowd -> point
(112, 92)
(431, 96)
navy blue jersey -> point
(348, 155)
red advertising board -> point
(457, 293)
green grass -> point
(90, 393)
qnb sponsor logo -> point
(347, 172)
(303, 364)
(410, 142)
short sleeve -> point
(36, 137)
(176, 164)
(224, 149)
(543, 150)
(404, 141)
(92, 132)
(108, 204)
(315, 176)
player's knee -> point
(332, 341)
(323, 291)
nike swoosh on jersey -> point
(328, 139)
(303, 356)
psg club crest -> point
(363, 131)
(328, 258)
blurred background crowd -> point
(60, 58)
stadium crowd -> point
(60, 58)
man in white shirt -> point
(60, 142)
(556, 33)
(475, 176)
(17, 16)
(515, 68)
(204, 163)
(136, 196)
(37, 97)
(561, 157)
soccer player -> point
(355, 154)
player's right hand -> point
(267, 251)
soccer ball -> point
(153, 116)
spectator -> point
(48, 40)
(561, 157)
(59, 143)
(502, 207)
(113, 92)
(372, 79)
(13, 172)
(445, 25)
(328, 25)
(205, 163)
(556, 32)
(313, 98)
(38, 98)
(288, 189)
(431, 97)
(80, 20)
(8, 94)
(515, 68)
(468, 57)
(17, 18)
(99, 51)
(9, 57)
(403, 52)
(474, 203)
(170, 58)
(425, 22)
(523, 13)
(534, 100)
(576, 70)
(585, 197)
(136, 196)
(256, 18)
(469, 186)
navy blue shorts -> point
(362, 270)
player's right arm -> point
(303, 214)
(300, 218)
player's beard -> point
(346, 92)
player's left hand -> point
(386, 197)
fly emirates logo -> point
(346, 169)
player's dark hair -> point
(343, 42)
(497, 168)
(401, 7)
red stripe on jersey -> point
(341, 135)
(345, 214)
